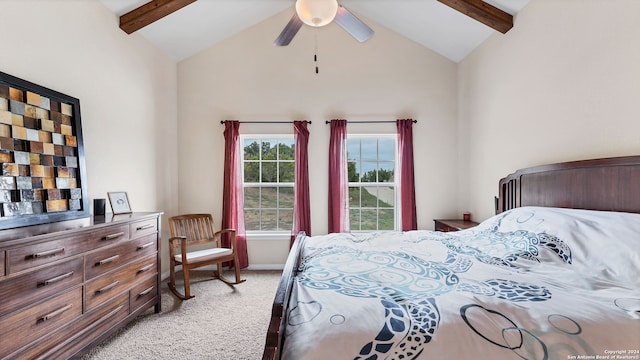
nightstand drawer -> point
(447, 225)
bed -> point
(553, 275)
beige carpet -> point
(219, 323)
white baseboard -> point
(265, 267)
(258, 267)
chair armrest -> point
(218, 234)
(183, 246)
(173, 239)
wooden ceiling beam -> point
(483, 12)
(150, 12)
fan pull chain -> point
(315, 56)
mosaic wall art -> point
(41, 155)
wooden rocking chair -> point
(198, 229)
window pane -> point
(353, 172)
(369, 149)
(252, 219)
(286, 197)
(369, 172)
(287, 172)
(353, 149)
(269, 220)
(354, 219)
(386, 196)
(386, 149)
(285, 220)
(269, 149)
(251, 197)
(251, 149)
(269, 197)
(369, 196)
(385, 219)
(251, 172)
(286, 149)
(354, 196)
(386, 170)
(269, 172)
(369, 219)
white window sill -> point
(268, 236)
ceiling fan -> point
(318, 13)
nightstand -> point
(453, 224)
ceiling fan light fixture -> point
(316, 12)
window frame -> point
(395, 183)
(267, 234)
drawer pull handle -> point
(145, 292)
(108, 287)
(47, 253)
(56, 279)
(145, 227)
(145, 268)
(55, 313)
(141, 247)
(107, 260)
(113, 236)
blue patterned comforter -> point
(531, 283)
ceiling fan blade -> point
(359, 30)
(289, 31)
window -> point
(372, 183)
(268, 179)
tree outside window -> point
(268, 180)
(372, 185)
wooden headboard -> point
(611, 184)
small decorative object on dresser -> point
(119, 202)
(453, 224)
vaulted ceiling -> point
(182, 28)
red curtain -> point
(338, 184)
(232, 198)
(407, 183)
(302, 203)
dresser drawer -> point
(37, 254)
(32, 255)
(107, 259)
(144, 292)
(65, 342)
(102, 288)
(37, 285)
(39, 320)
(2, 255)
(108, 236)
(142, 228)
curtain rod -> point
(264, 122)
(372, 121)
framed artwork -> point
(119, 202)
(43, 177)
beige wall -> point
(562, 85)
(127, 91)
(248, 78)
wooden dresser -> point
(67, 289)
